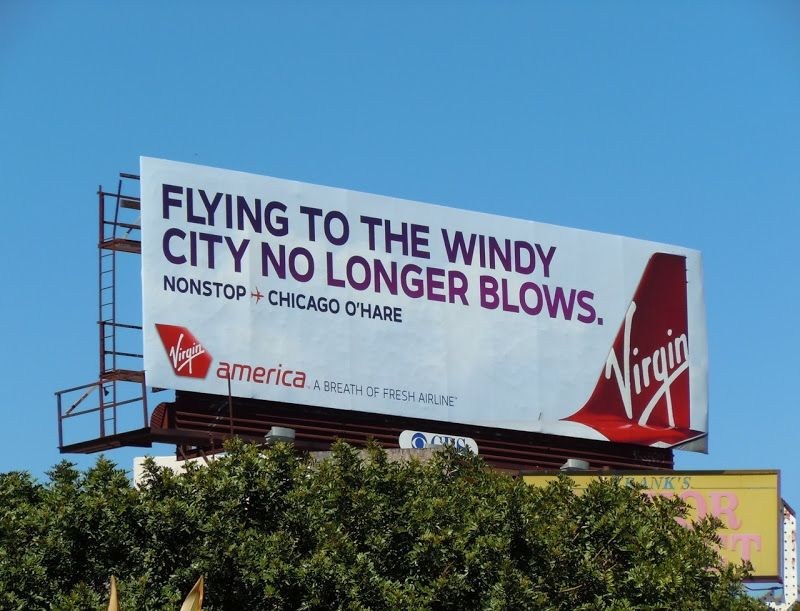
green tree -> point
(271, 530)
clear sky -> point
(675, 122)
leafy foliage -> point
(271, 530)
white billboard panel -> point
(320, 296)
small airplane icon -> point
(257, 295)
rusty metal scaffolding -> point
(121, 381)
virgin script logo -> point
(642, 394)
(188, 357)
(663, 366)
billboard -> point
(313, 295)
(748, 502)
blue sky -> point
(674, 122)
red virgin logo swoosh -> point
(642, 394)
(188, 357)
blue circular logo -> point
(418, 440)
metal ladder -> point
(113, 240)
(121, 380)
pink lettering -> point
(747, 541)
(723, 506)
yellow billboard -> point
(748, 502)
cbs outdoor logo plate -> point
(416, 440)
